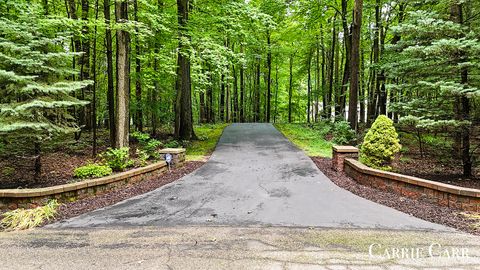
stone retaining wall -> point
(30, 198)
(467, 199)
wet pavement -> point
(255, 177)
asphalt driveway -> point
(255, 177)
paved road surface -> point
(230, 248)
(254, 177)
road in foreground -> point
(232, 248)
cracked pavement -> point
(215, 247)
(258, 203)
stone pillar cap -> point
(345, 149)
(172, 151)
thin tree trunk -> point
(332, 62)
(355, 71)
(123, 76)
(85, 63)
(347, 40)
(235, 95)
(138, 71)
(38, 161)
(110, 89)
(462, 103)
(309, 84)
(242, 90)
(222, 99)
(94, 73)
(269, 75)
(324, 93)
(290, 90)
(257, 93)
(276, 93)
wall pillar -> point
(178, 155)
(340, 153)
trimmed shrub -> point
(117, 159)
(92, 171)
(380, 144)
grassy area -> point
(310, 140)
(208, 136)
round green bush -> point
(380, 144)
(92, 171)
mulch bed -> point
(429, 167)
(418, 208)
(79, 207)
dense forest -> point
(85, 66)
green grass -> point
(208, 135)
(310, 140)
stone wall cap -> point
(469, 192)
(172, 151)
(345, 149)
(37, 192)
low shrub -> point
(151, 148)
(140, 137)
(117, 159)
(21, 219)
(380, 144)
(342, 133)
(172, 144)
(92, 171)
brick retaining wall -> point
(30, 198)
(467, 199)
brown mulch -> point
(79, 207)
(429, 167)
(418, 208)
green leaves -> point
(380, 144)
(35, 72)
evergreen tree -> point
(36, 98)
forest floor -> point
(61, 156)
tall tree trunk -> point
(309, 84)
(222, 99)
(94, 87)
(354, 82)
(290, 89)
(462, 103)
(236, 117)
(138, 72)
(347, 40)
(276, 93)
(242, 90)
(183, 110)
(269, 74)
(257, 93)
(362, 87)
(85, 63)
(110, 89)
(317, 79)
(324, 82)
(331, 69)
(123, 76)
